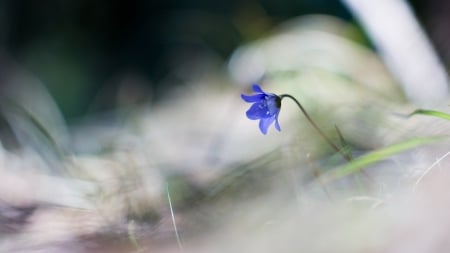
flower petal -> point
(277, 124)
(258, 89)
(257, 111)
(265, 123)
(253, 98)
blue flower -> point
(266, 107)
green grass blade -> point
(345, 147)
(359, 163)
(174, 223)
(438, 114)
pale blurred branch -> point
(404, 47)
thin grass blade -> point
(360, 163)
(433, 113)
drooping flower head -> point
(266, 107)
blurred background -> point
(122, 127)
(84, 51)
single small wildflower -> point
(265, 108)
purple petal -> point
(253, 98)
(277, 125)
(265, 123)
(258, 89)
(257, 111)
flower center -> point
(271, 104)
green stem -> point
(328, 140)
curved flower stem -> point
(328, 140)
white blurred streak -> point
(247, 65)
(404, 47)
